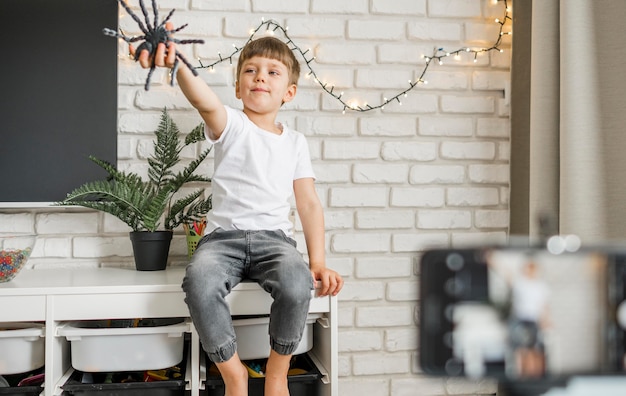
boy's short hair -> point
(272, 48)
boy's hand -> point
(331, 282)
(163, 56)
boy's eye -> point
(249, 71)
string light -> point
(438, 54)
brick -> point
(54, 247)
(454, 8)
(489, 173)
(492, 218)
(402, 291)
(162, 96)
(383, 267)
(364, 386)
(279, 6)
(380, 173)
(468, 150)
(219, 5)
(482, 33)
(68, 223)
(92, 247)
(428, 386)
(444, 219)
(387, 127)
(350, 7)
(376, 30)
(360, 341)
(383, 78)
(417, 197)
(350, 150)
(17, 223)
(345, 316)
(467, 104)
(448, 80)
(358, 197)
(345, 54)
(343, 265)
(435, 31)
(384, 316)
(363, 291)
(493, 127)
(327, 126)
(199, 25)
(332, 173)
(321, 27)
(504, 151)
(472, 196)
(402, 54)
(440, 126)
(409, 151)
(399, 7)
(381, 364)
(414, 242)
(338, 219)
(415, 103)
(401, 339)
(437, 174)
(368, 219)
(360, 243)
(490, 80)
(478, 238)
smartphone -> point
(522, 313)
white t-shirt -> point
(252, 183)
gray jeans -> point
(223, 259)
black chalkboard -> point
(58, 83)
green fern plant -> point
(143, 204)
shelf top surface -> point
(98, 280)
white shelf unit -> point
(60, 295)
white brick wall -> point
(432, 171)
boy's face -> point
(263, 85)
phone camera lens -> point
(454, 287)
(455, 262)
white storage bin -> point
(95, 347)
(21, 347)
(253, 340)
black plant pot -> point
(151, 249)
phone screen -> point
(520, 313)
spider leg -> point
(145, 15)
(174, 70)
(190, 41)
(167, 18)
(133, 15)
(186, 62)
(147, 86)
(179, 29)
(155, 9)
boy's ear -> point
(237, 94)
(290, 93)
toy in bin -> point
(15, 250)
(194, 233)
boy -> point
(259, 165)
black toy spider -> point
(153, 34)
